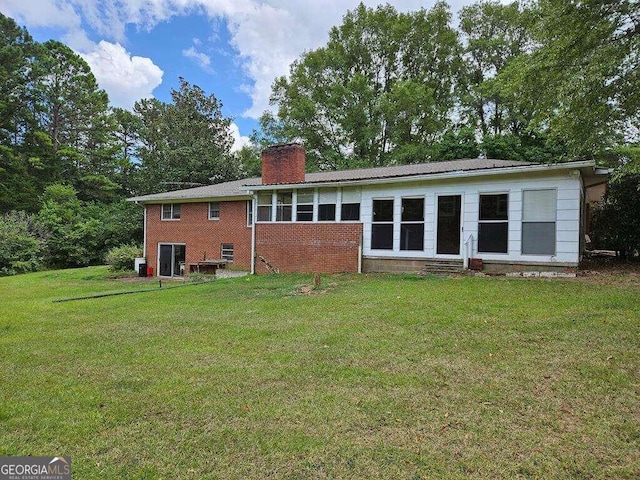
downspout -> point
(360, 254)
(254, 217)
(144, 230)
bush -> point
(122, 258)
(22, 243)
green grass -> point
(371, 377)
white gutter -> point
(428, 176)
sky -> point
(233, 49)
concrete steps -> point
(442, 267)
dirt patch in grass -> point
(609, 271)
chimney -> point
(283, 164)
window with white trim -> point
(412, 224)
(350, 207)
(249, 213)
(264, 207)
(214, 210)
(171, 211)
(539, 216)
(493, 225)
(382, 224)
(226, 252)
(304, 206)
(284, 207)
(327, 205)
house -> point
(506, 215)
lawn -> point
(365, 377)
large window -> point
(327, 205)
(539, 222)
(350, 207)
(264, 207)
(304, 206)
(284, 207)
(382, 225)
(171, 211)
(214, 210)
(493, 228)
(412, 225)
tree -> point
(616, 222)
(583, 77)
(380, 92)
(19, 171)
(127, 140)
(22, 243)
(184, 143)
(493, 35)
(72, 111)
(74, 236)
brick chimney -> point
(283, 164)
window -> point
(304, 207)
(327, 205)
(214, 210)
(539, 222)
(382, 225)
(264, 207)
(412, 226)
(171, 211)
(493, 228)
(350, 208)
(249, 213)
(226, 252)
(284, 207)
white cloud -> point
(239, 141)
(42, 13)
(202, 59)
(267, 34)
(126, 78)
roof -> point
(241, 188)
(410, 170)
(235, 188)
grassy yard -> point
(367, 377)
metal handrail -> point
(468, 251)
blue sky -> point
(231, 48)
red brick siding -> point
(202, 236)
(308, 247)
(283, 164)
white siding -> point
(567, 224)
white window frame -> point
(328, 192)
(412, 222)
(172, 212)
(384, 222)
(281, 207)
(249, 213)
(212, 217)
(266, 207)
(498, 221)
(554, 221)
(305, 192)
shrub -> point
(122, 258)
(22, 242)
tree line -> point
(545, 80)
(68, 161)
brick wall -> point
(283, 164)
(202, 236)
(308, 247)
